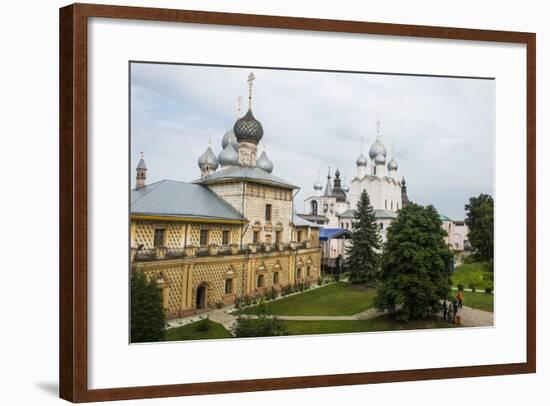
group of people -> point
(450, 310)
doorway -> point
(201, 297)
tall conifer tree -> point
(363, 256)
(147, 314)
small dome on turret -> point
(141, 164)
(229, 156)
(361, 160)
(263, 162)
(317, 186)
(380, 159)
(208, 158)
(392, 165)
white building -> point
(333, 207)
(378, 174)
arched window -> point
(314, 207)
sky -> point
(440, 130)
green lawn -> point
(337, 299)
(212, 330)
(477, 300)
(474, 272)
(381, 323)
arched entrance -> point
(200, 299)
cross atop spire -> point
(362, 140)
(378, 122)
(239, 100)
(250, 81)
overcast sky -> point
(441, 129)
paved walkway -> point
(470, 317)
(474, 317)
(227, 320)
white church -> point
(333, 206)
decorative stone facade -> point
(183, 278)
(251, 199)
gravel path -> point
(474, 317)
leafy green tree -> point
(479, 219)
(147, 318)
(363, 253)
(414, 275)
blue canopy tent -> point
(331, 233)
(332, 262)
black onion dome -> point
(249, 129)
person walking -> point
(460, 298)
(444, 309)
(455, 310)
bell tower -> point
(141, 173)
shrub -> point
(247, 300)
(203, 325)
(489, 290)
(238, 302)
(472, 287)
(336, 277)
(219, 304)
(263, 326)
(461, 287)
(320, 280)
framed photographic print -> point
(256, 202)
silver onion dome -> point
(392, 165)
(229, 156)
(247, 128)
(380, 159)
(230, 135)
(263, 162)
(377, 149)
(317, 186)
(361, 160)
(208, 158)
(345, 188)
